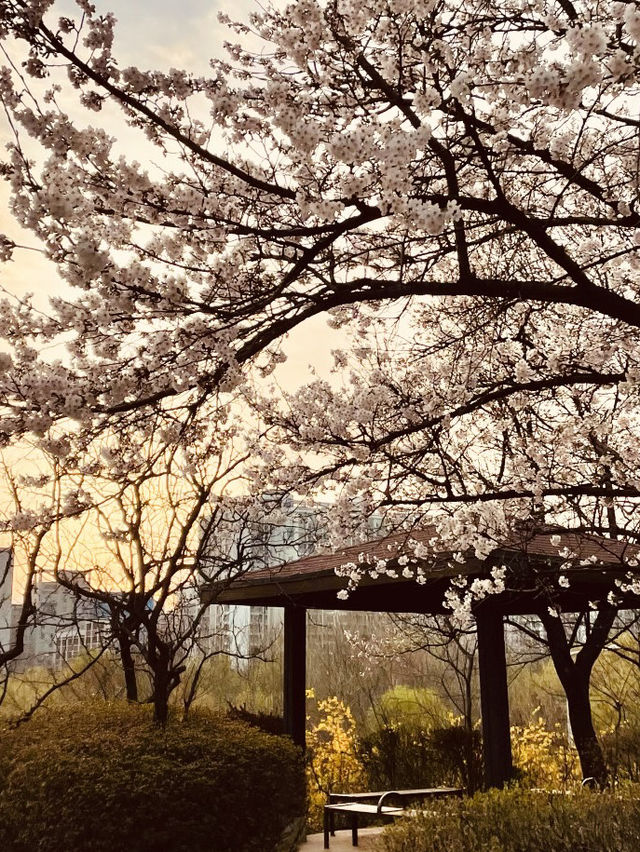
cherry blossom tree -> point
(504, 467)
(455, 182)
(366, 153)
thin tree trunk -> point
(190, 696)
(120, 631)
(161, 695)
(129, 669)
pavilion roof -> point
(313, 582)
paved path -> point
(341, 842)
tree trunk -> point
(161, 690)
(575, 677)
(190, 695)
(589, 751)
(121, 632)
(129, 669)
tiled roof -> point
(602, 551)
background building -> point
(299, 531)
(6, 588)
(65, 625)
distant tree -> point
(167, 529)
(156, 523)
(455, 652)
(28, 529)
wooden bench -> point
(372, 803)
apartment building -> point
(64, 625)
(299, 531)
(6, 591)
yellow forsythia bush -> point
(333, 761)
(544, 756)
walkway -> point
(341, 842)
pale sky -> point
(165, 33)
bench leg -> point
(325, 825)
(332, 818)
(354, 829)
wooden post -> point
(494, 697)
(294, 674)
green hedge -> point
(105, 778)
(403, 755)
(524, 821)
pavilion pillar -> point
(494, 697)
(294, 674)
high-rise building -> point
(298, 530)
(6, 591)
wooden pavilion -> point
(530, 558)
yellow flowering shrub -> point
(544, 756)
(333, 762)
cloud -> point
(165, 34)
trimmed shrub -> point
(459, 754)
(267, 722)
(397, 755)
(400, 755)
(104, 777)
(523, 821)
